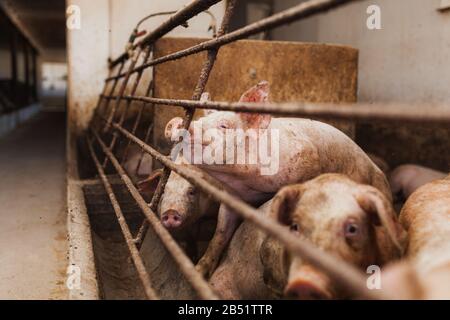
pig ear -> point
(149, 185)
(272, 256)
(172, 128)
(372, 201)
(258, 93)
(205, 97)
(284, 203)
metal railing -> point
(121, 70)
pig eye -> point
(294, 227)
(191, 193)
(351, 230)
(223, 125)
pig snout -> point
(308, 284)
(171, 219)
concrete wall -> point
(402, 62)
(87, 51)
(105, 28)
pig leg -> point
(227, 223)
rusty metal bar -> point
(123, 88)
(185, 264)
(134, 252)
(99, 110)
(147, 136)
(137, 121)
(346, 275)
(147, 52)
(300, 11)
(191, 10)
(189, 112)
(412, 113)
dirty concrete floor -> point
(33, 242)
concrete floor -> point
(33, 244)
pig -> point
(406, 179)
(380, 163)
(180, 209)
(425, 272)
(306, 148)
(138, 164)
(181, 204)
(352, 221)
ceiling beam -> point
(13, 15)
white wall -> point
(105, 28)
(405, 61)
(87, 53)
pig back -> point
(426, 217)
(337, 153)
(240, 274)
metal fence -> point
(109, 119)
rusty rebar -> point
(346, 275)
(134, 252)
(98, 109)
(189, 11)
(303, 10)
(147, 53)
(189, 112)
(137, 121)
(185, 264)
(397, 112)
(128, 74)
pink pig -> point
(408, 178)
(425, 271)
(305, 149)
(351, 221)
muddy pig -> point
(406, 179)
(351, 221)
(138, 164)
(425, 273)
(181, 208)
(181, 204)
(303, 150)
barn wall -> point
(405, 61)
(105, 28)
